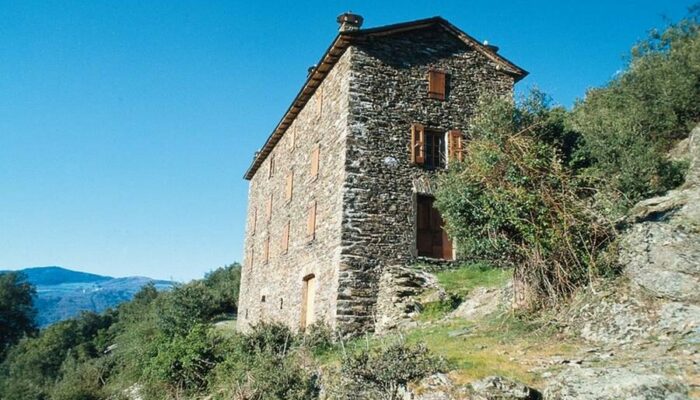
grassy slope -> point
(499, 344)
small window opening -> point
(281, 303)
(263, 299)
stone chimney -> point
(490, 46)
(349, 22)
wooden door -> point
(432, 240)
(307, 301)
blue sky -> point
(126, 126)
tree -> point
(16, 309)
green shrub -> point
(183, 362)
(379, 373)
(512, 202)
(318, 338)
(628, 125)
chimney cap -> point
(349, 21)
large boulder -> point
(661, 249)
(613, 384)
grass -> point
(504, 344)
(462, 281)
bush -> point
(264, 364)
(628, 126)
(183, 362)
(379, 373)
(224, 284)
(512, 202)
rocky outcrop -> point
(661, 250)
(441, 387)
(613, 384)
(398, 296)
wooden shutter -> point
(454, 145)
(269, 208)
(315, 154)
(436, 84)
(311, 221)
(254, 223)
(290, 186)
(285, 239)
(266, 249)
(292, 138)
(417, 144)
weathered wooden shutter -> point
(311, 221)
(269, 208)
(285, 238)
(266, 249)
(315, 155)
(290, 186)
(292, 138)
(417, 144)
(454, 145)
(436, 84)
(254, 223)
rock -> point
(500, 388)
(398, 296)
(481, 301)
(661, 249)
(613, 384)
(435, 387)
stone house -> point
(343, 186)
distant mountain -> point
(63, 293)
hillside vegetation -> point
(540, 193)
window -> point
(266, 250)
(292, 138)
(281, 303)
(254, 222)
(434, 149)
(319, 102)
(269, 208)
(271, 166)
(311, 221)
(285, 238)
(437, 84)
(289, 186)
(315, 155)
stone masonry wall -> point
(280, 279)
(388, 92)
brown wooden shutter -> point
(255, 221)
(454, 145)
(292, 138)
(266, 249)
(436, 84)
(285, 238)
(269, 208)
(315, 155)
(417, 144)
(290, 186)
(311, 221)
